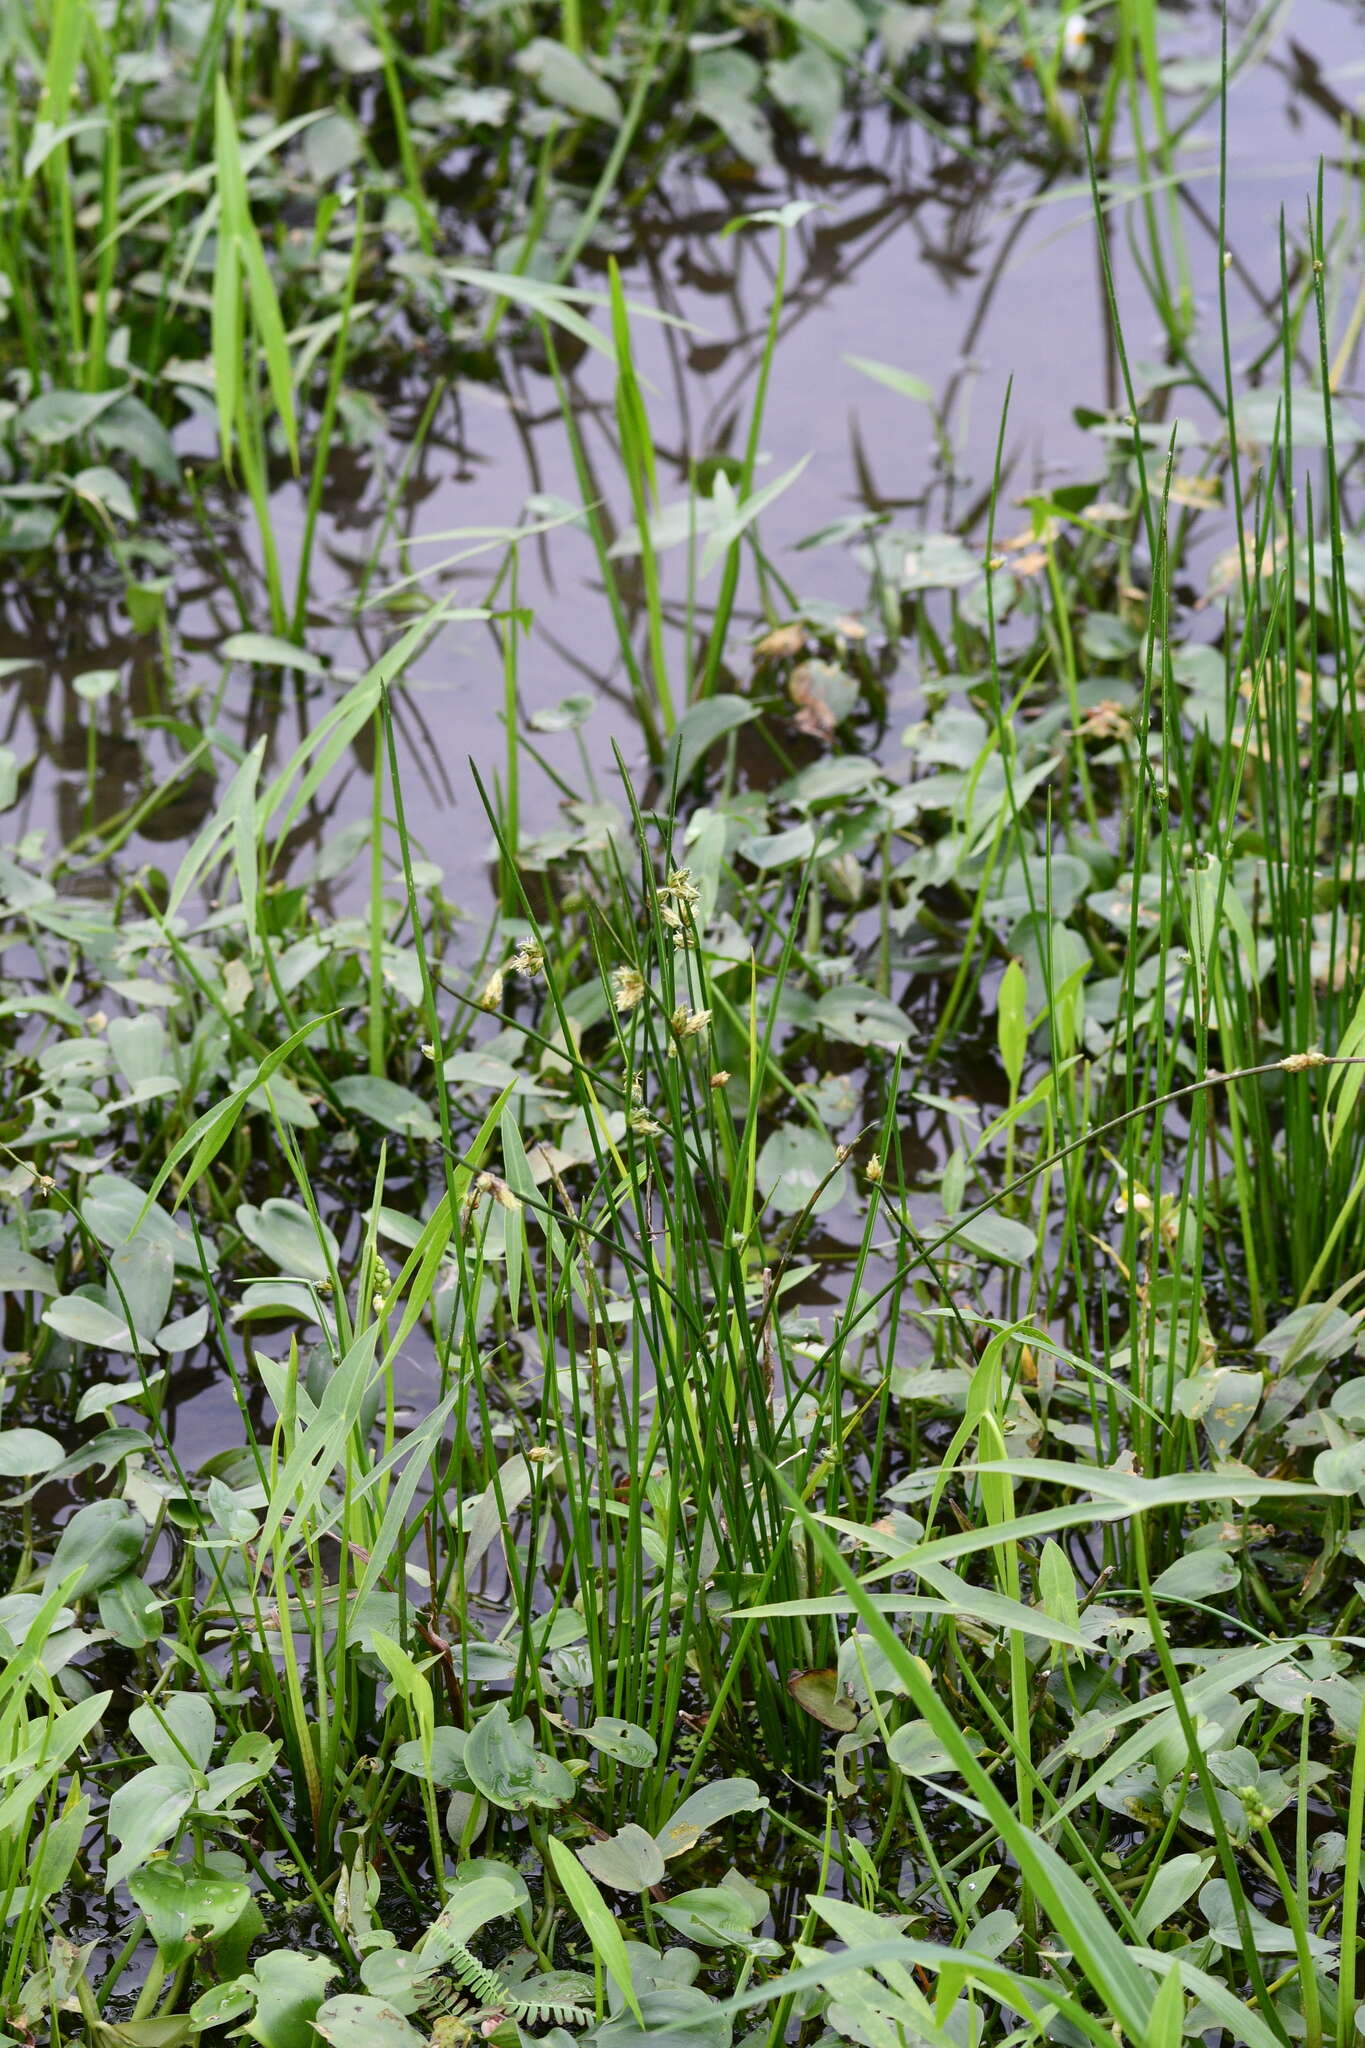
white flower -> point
(627, 988)
(1075, 38)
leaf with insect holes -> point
(353, 2020)
(508, 1769)
(186, 1908)
(622, 1740)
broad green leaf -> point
(704, 1810)
(712, 1916)
(811, 88)
(185, 1332)
(104, 487)
(184, 1908)
(115, 1210)
(102, 1540)
(287, 1235)
(1174, 1882)
(1057, 1585)
(442, 1761)
(508, 1769)
(484, 1890)
(1271, 1938)
(26, 1452)
(86, 1321)
(698, 730)
(628, 1861)
(139, 1286)
(144, 1812)
(622, 1740)
(840, 26)
(798, 1166)
(289, 1989)
(388, 1103)
(1198, 1575)
(21, 1273)
(131, 428)
(568, 80)
(179, 1726)
(131, 1612)
(1001, 1239)
(58, 416)
(915, 1749)
(1011, 1022)
(355, 2021)
(819, 1694)
(725, 88)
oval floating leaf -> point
(286, 1233)
(508, 1769)
(818, 1693)
(628, 1861)
(705, 1809)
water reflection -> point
(964, 270)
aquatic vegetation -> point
(760, 1443)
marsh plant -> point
(760, 1444)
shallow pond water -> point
(971, 276)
